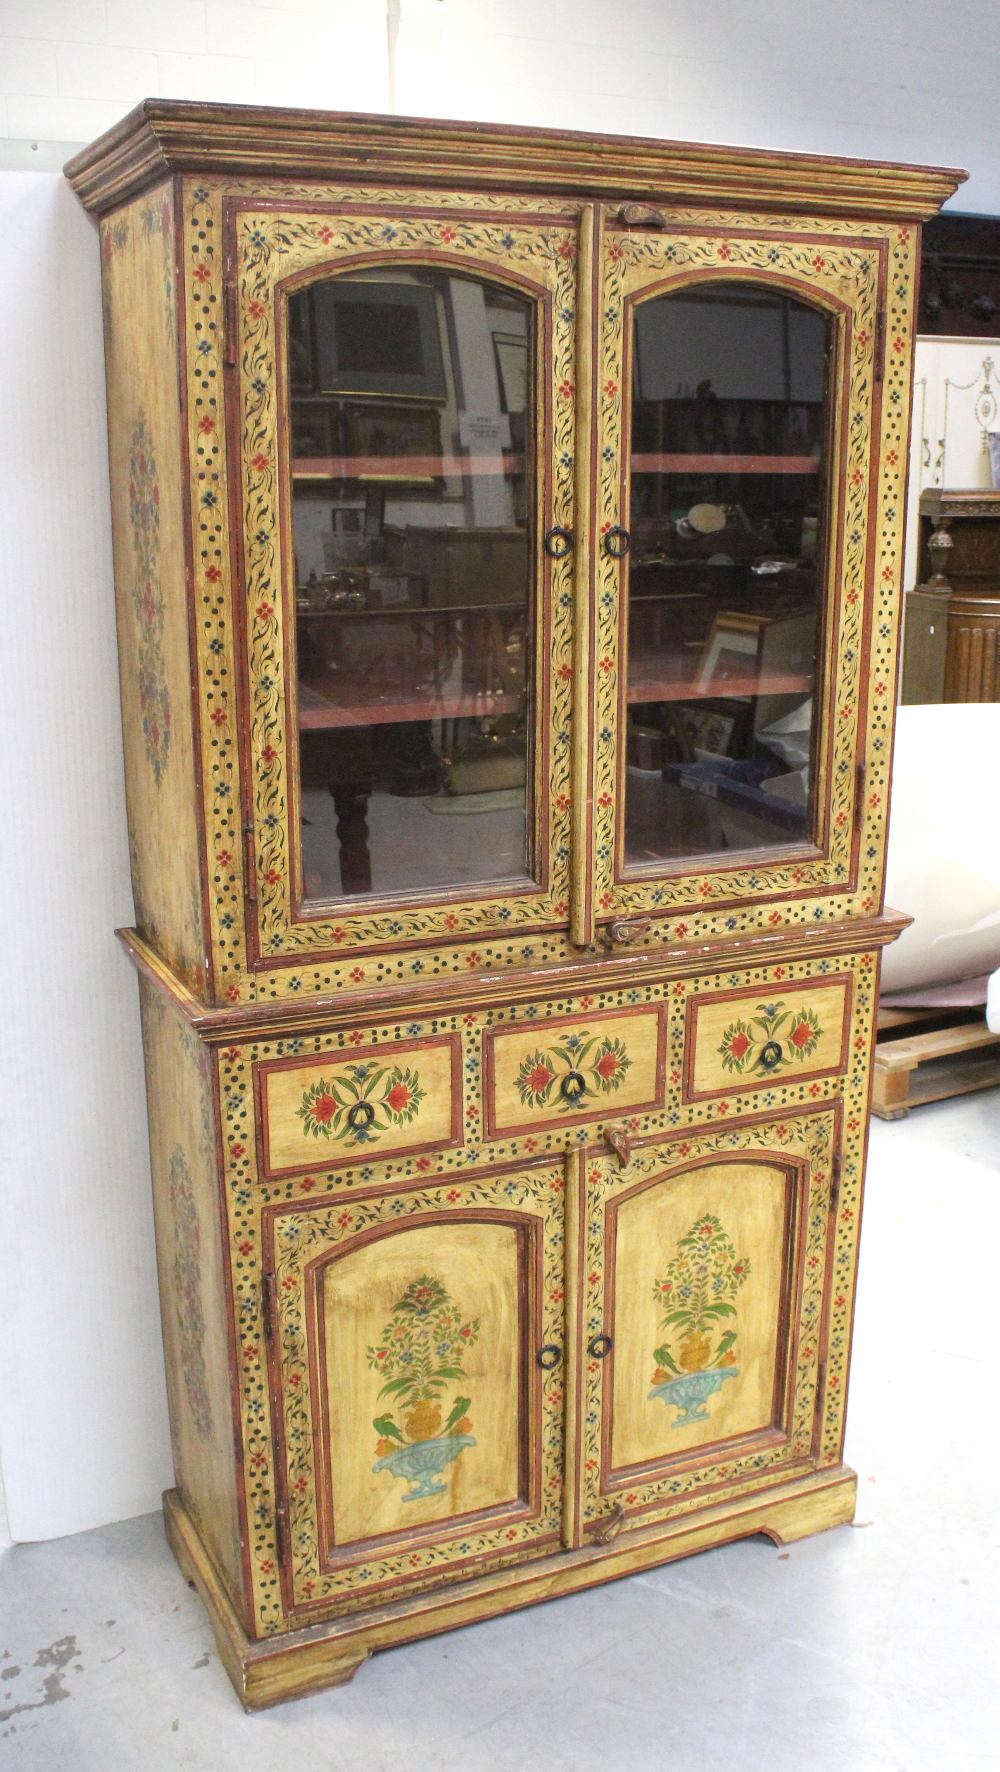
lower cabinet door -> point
(706, 1264)
(417, 1381)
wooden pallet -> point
(931, 1054)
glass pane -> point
(728, 470)
(413, 498)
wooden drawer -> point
(738, 1041)
(379, 1100)
(573, 1069)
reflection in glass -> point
(728, 469)
(412, 440)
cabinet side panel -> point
(145, 442)
(190, 1260)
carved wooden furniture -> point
(508, 1193)
(952, 633)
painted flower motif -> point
(754, 1044)
(582, 1065)
(360, 1103)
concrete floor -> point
(870, 1648)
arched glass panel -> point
(413, 491)
(728, 473)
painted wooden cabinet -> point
(507, 530)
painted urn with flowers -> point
(420, 1360)
(697, 1294)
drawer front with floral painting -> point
(378, 1101)
(574, 1069)
(754, 1038)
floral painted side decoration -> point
(187, 1292)
(420, 1360)
(147, 598)
(574, 1072)
(698, 1290)
(754, 1045)
(360, 1103)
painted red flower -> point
(738, 1045)
(260, 462)
(206, 424)
(213, 574)
(399, 1097)
(608, 1066)
(324, 1108)
(800, 1035)
(202, 273)
(539, 1078)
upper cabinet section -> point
(543, 503)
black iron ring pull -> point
(617, 542)
(558, 543)
(599, 1346)
(548, 1356)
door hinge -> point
(281, 1533)
(835, 1177)
(860, 777)
(268, 1294)
(879, 358)
(229, 327)
(249, 862)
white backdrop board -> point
(943, 864)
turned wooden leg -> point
(351, 806)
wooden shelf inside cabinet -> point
(402, 468)
(724, 464)
(325, 704)
(668, 678)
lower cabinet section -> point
(468, 1373)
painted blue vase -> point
(422, 1462)
(691, 1390)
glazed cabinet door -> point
(704, 1311)
(402, 407)
(417, 1384)
(737, 448)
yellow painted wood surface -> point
(749, 1202)
(148, 494)
(478, 1266)
(585, 1068)
(409, 1091)
(714, 1018)
(191, 1271)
